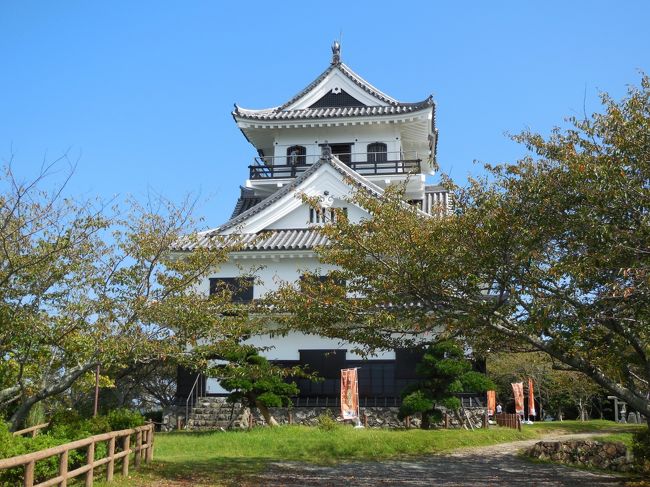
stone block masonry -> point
(214, 413)
(584, 453)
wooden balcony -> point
(366, 164)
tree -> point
(444, 371)
(556, 389)
(80, 287)
(253, 380)
(551, 253)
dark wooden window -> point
(296, 155)
(343, 152)
(377, 152)
(240, 287)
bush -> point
(641, 450)
(123, 419)
(65, 426)
(10, 446)
(326, 421)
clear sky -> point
(140, 93)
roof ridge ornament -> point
(336, 53)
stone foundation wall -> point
(584, 453)
(376, 417)
(209, 414)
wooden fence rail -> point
(143, 448)
(509, 420)
(32, 430)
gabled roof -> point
(348, 73)
(333, 161)
(374, 103)
(274, 240)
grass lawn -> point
(220, 458)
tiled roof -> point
(288, 188)
(331, 112)
(246, 201)
(212, 237)
(298, 239)
(282, 113)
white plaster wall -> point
(359, 135)
(299, 218)
(275, 270)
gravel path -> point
(496, 465)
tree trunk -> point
(63, 384)
(270, 420)
(426, 421)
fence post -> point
(125, 464)
(111, 460)
(446, 421)
(29, 474)
(138, 449)
(518, 423)
(485, 420)
(149, 453)
(63, 468)
(91, 459)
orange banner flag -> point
(349, 394)
(491, 402)
(518, 391)
(531, 399)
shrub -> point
(10, 446)
(66, 426)
(641, 450)
(326, 421)
(122, 419)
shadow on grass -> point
(213, 471)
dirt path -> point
(496, 465)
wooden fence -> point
(33, 430)
(509, 420)
(143, 449)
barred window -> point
(319, 215)
(377, 152)
(296, 155)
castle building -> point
(337, 133)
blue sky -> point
(140, 93)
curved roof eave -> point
(347, 72)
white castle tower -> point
(338, 132)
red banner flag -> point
(349, 394)
(531, 399)
(518, 391)
(491, 402)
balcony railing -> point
(366, 164)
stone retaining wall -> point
(584, 453)
(377, 417)
(206, 416)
